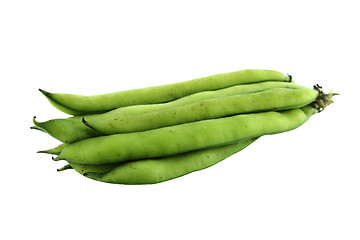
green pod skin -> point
(183, 138)
(269, 100)
(54, 151)
(150, 171)
(98, 168)
(81, 105)
(72, 129)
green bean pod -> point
(183, 138)
(80, 105)
(269, 100)
(72, 129)
(150, 171)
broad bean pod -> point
(183, 138)
(79, 105)
(72, 129)
(150, 171)
(269, 100)
(196, 97)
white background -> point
(302, 184)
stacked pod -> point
(154, 134)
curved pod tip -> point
(84, 121)
(47, 94)
(37, 125)
(89, 125)
(290, 78)
(66, 167)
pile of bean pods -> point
(154, 134)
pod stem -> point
(323, 100)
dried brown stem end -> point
(323, 100)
